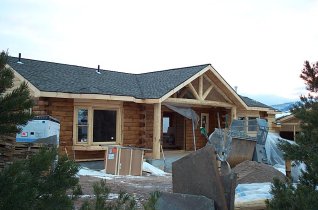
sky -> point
(257, 45)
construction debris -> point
(254, 172)
(10, 150)
(198, 174)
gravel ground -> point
(138, 186)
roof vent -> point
(19, 61)
(98, 70)
(235, 88)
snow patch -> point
(99, 174)
(153, 170)
(84, 171)
(111, 196)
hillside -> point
(285, 107)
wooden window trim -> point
(91, 107)
(75, 127)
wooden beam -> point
(208, 79)
(185, 101)
(218, 89)
(206, 93)
(194, 92)
(163, 98)
(223, 94)
(201, 86)
(29, 84)
(221, 79)
(156, 131)
(183, 92)
(97, 96)
(233, 114)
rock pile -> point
(254, 172)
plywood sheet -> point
(124, 161)
(111, 158)
(136, 162)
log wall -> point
(63, 110)
(200, 139)
(138, 125)
(133, 124)
(149, 117)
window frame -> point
(206, 124)
(246, 124)
(75, 128)
(90, 120)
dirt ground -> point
(140, 187)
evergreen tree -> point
(40, 182)
(15, 104)
(304, 195)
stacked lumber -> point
(24, 150)
(6, 150)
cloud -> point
(258, 46)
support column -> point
(156, 131)
(233, 114)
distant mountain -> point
(268, 99)
(285, 107)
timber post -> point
(156, 131)
(233, 114)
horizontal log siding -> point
(133, 124)
(40, 106)
(149, 117)
(63, 110)
(179, 124)
(200, 139)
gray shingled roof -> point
(55, 77)
(252, 103)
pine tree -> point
(14, 105)
(304, 195)
(40, 182)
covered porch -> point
(214, 103)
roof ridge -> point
(90, 68)
(151, 72)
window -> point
(96, 125)
(252, 124)
(205, 121)
(165, 124)
(104, 125)
(82, 125)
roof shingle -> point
(55, 77)
(252, 103)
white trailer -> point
(39, 128)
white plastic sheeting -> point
(252, 192)
(221, 139)
(261, 191)
(275, 155)
(190, 114)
